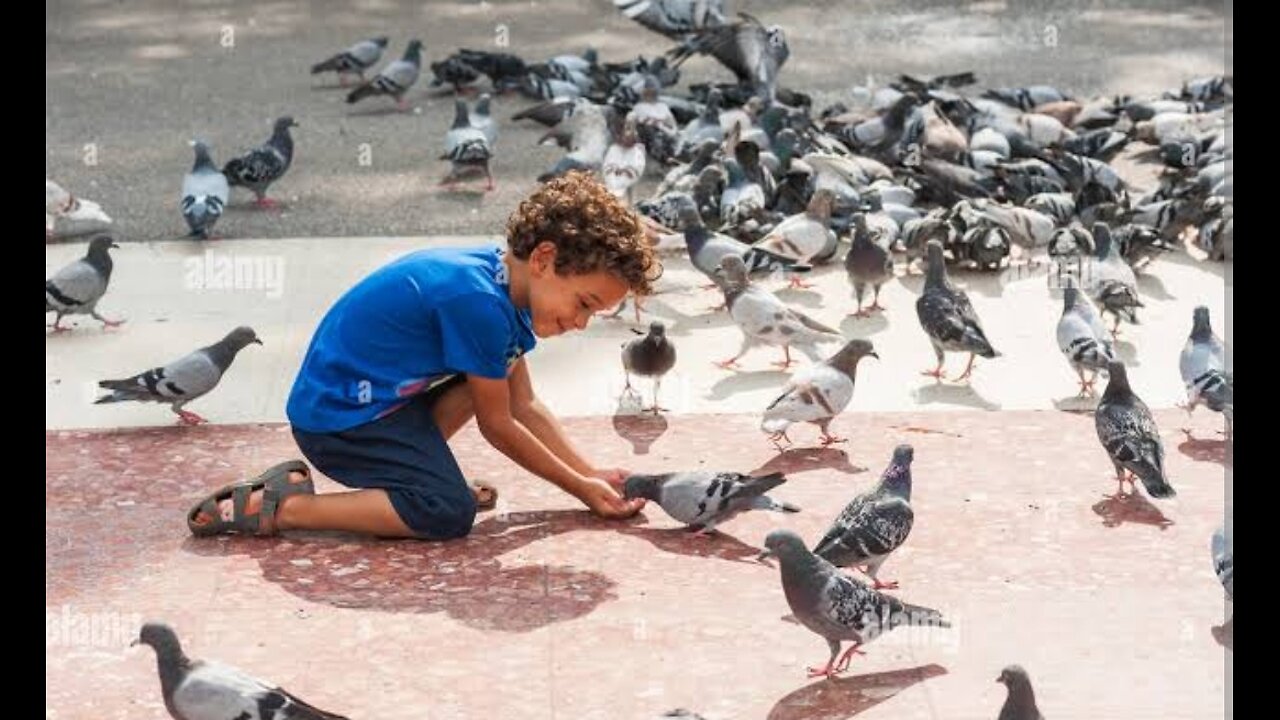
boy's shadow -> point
(847, 696)
(1135, 508)
(461, 578)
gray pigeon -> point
(1020, 704)
(1203, 364)
(875, 523)
(1082, 337)
(652, 355)
(467, 148)
(354, 60)
(1130, 436)
(948, 318)
(77, 288)
(751, 51)
(707, 249)
(482, 119)
(184, 379)
(1224, 560)
(817, 393)
(703, 499)
(209, 690)
(1110, 280)
(204, 193)
(763, 318)
(395, 79)
(674, 18)
(806, 238)
(869, 262)
(836, 606)
(265, 164)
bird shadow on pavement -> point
(847, 696)
(464, 579)
(1133, 508)
(1152, 286)
(1076, 405)
(378, 110)
(682, 541)
(640, 429)
(952, 394)
(1224, 634)
(798, 460)
(810, 299)
(1203, 449)
(861, 327)
(747, 382)
(1127, 352)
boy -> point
(420, 347)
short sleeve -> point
(475, 335)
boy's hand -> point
(605, 502)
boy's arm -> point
(492, 401)
(530, 412)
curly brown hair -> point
(591, 229)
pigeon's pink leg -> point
(968, 369)
(186, 417)
(266, 203)
(843, 663)
(827, 671)
(828, 439)
(726, 364)
(875, 303)
(400, 103)
(786, 353)
(778, 436)
(885, 585)
(936, 372)
(797, 282)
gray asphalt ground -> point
(128, 84)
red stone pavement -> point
(545, 612)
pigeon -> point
(807, 237)
(182, 380)
(674, 18)
(751, 51)
(588, 128)
(77, 288)
(456, 72)
(818, 393)
(763, 318)
(467, 148)
(652, 355)
(836, 606)
(265, 164)
(1224, 560)
(623, 163)
(682, 713)
(948, 318)
(395, 79)
(482, 120)
(868, 262)
(1203, 364)
(1020, 704)
(209, 690)
(1129, 435)
(205, 192)
(873, 524)
(708, 249)
(1110, 280)
(1082, 337)
(504, 70)
(354, 60)
(703, 499)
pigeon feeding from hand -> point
(948, 318)
(205, 192)
(209, 690)
(836, 606)
(1129, 434)
(265, 164)
(652, 355)
(354, 60)
(183, 380)
(77, 288)
(704, 499)
(817, 393)
(873, 524)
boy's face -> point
(560, 303)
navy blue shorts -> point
(405, 454)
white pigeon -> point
(623, 163)
(764, 319)
(817, 393)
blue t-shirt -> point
(407, 327)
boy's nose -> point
(581, 320)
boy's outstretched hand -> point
(602, 494)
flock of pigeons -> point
(756, 183)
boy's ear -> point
(542, 260)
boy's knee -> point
(444, 516)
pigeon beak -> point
(872, 354)
(114, 245)
(256, 341)
(135, 642)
